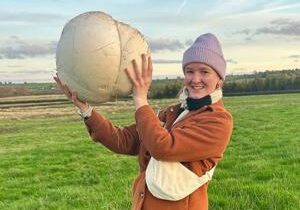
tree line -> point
(256, 83)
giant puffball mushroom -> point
(92, 53)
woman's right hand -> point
(71, 95)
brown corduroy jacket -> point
(198, 141)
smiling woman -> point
(204, 71)
(179, 148)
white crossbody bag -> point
(172, 180)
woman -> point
(197, 140)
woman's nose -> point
(196, 78)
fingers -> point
(67, 91)
(147, 67)
(57, 80)
(63, 87)
(131, 77)
(144, 65)
(72, 95)
(136, 75)
(82, 105)
(76, 100)
(136, 70)
(150, 67)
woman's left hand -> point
(141, 80)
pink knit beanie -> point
(206, 49)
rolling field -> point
(47, 160)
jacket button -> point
(142, 194)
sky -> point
(256, 35)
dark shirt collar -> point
(194, 104)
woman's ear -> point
(220, 84)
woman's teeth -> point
(198, 87)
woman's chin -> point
(197, 95)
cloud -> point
(167, 44)
(20, 49)
(281, 27)
(169, 61)
(30, 17)
(294, 56)
(29, 72)
(231, 61)
(166, 61)
(9, 54)
(189, 42)
(16, 48)
(244, 31)
(14, 66)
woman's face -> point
(200, 80)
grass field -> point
(47, 160)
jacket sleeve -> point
(122, 140)
(205, 138)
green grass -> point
(49, 162)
